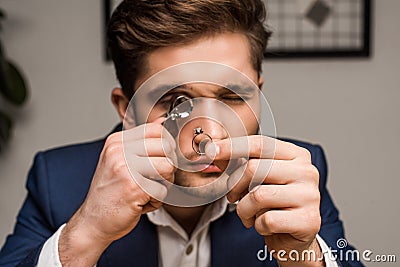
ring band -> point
(199, 131)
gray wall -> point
(350, 107)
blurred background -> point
(349, 106)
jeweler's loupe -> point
(180, 108)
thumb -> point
(159, 120)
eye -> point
(232, 98)
(178, 99)
(166, 100)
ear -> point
(260, 82)
(120, 102)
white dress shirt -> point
(176, 248)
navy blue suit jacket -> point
(59, 181)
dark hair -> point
(138, 27)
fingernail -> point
(160, 120)
(212, 150)
(255, 189)
(166, 146)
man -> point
(85, 206)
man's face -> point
(230, 49)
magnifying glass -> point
(180, 108)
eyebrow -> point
(166, 88)
(162, 89)
(239, 89)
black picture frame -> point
(279, 53)
(343, 52)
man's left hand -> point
(285, 207)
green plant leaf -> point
(2, 14)
(12, 83)
(2, 57)
(5, 129)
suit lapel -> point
(234, 245)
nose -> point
(208, 128)
(208, 115)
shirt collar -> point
(214, 211)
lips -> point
(204, 165)
(200, 164)
(207, 168)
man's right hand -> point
(115, 201)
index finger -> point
(253, 146)
(154, 129)
(146, 130)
